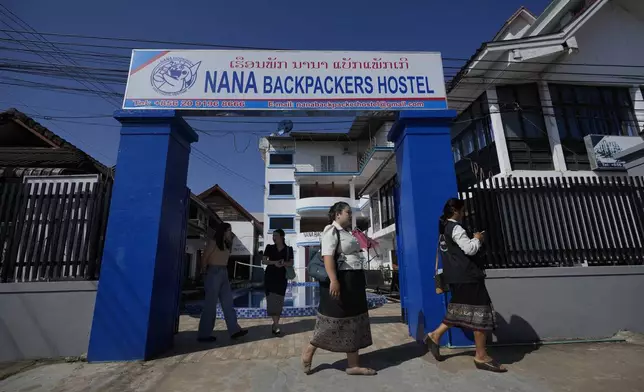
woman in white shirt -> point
(342, 323)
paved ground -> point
(263, 363)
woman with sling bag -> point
(342, 323)
(470, 306)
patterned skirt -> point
(343, 325)
(470, 307)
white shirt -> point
(351, 257)
(468, 245)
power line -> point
(65, 132)
(125, 62)
(216, 164)
(61, 88)
(107, 99)
(29, 27)
(197, 44)
(118, 39)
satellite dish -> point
(284, 127)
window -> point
(473, 129)
(328, 163)
(280, 159)
(375, 212)
(387, 202)
(286, 223)
(456, 149)
(280, 189)
(590, 110)
(468, 143)
(524, 127)
(521, 111)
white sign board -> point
(284, 80)
(603, 149)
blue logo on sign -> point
(174, 76)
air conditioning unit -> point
(345, 151)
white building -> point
(306, 173)
(528, 99)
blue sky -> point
(455, 28)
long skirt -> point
(274, 304)
(343, 325)
(470, 307)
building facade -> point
(306, 173)
(554, 95)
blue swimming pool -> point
(301, 300)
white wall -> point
(307, 156)
(606, 38)
(279, 174)
(279, 207)
(611, 36)
(243, 245)
(381, 135)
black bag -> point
(439, 280)
(316, 267)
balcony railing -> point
(319, 168)
(319, 206)
(374, 143)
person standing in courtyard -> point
(342, 323)
(277, 258)
(217, 286)
(470, 306)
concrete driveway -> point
(263, 363)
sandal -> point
(434, 348)
(490, 366)
(359, 371)
(306, 366)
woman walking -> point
(217, 286)
(277, 258)
(342, 323)
(470, 306)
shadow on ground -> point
(185, 342)
(381, 359)
(508, 344)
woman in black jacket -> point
(470, 306)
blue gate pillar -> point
(426, 179)
(135, 311)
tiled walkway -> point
(386, 329)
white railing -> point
(317, 203)
(319, 168)
(374, 142)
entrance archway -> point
(135, 311)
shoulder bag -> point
(439, 279)
(290, 271)
(316, 267)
